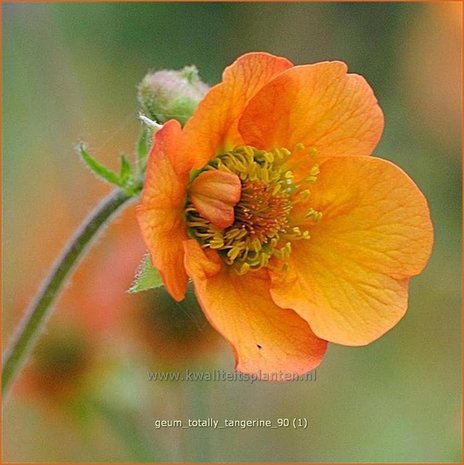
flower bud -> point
(169, 94)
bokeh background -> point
(69, 74)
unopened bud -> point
(169, 94)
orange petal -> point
(213, 127)
(160, 212)
(214, 194)
(266, 338)
(320, 106)
(349, 280)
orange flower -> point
(267, 199)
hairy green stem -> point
(39, 309)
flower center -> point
(263, 225)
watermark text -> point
(226, 376)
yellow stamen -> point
(263, 227)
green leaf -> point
(125, 172)
(99, 169)
(147, 276)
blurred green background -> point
(70, 73)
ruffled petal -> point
(349, 280)
(213, 127)
(266, 339)
(160, 213)
(319, 106)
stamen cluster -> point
(263, 225)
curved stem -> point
(40, 307)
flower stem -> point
(40, 307)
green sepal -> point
(124, 180)
(147, 277)
(97, 168)
(125, 172)
(143, 147)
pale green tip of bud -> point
(169, 94)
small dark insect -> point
(258, 346)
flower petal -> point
(266, 338)
(160, 212)
(320, 106)
(213, 127)
(214, 194)
(349, 280)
